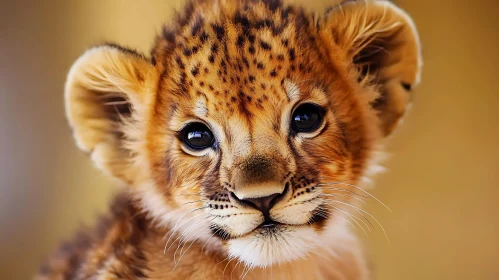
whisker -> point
(360, 189)
(247, 268)
(195, 201)
(113, 103)
(181, 218)
(185, 243)
(206, 243)
(315, 252)
(182, 254)
(184, 236)
(337, 216)
(187, 194)
(176, 229)
(237, 263)
(341, 189)
(354, 219)
(230, 259)
(367, 220)
(335, 195)
(187, 230)
(348, 213)
(367, 213)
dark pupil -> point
(198, 136)
(305, 118)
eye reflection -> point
(306, 118)
(197, 136)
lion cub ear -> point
(106, 93)
(380, 41)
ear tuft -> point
(381, 43)
(106, 89)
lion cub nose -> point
(264, 204)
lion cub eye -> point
(307, 118)
(197, 136)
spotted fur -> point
(241, 67)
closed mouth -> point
(269, 224)
(317, 220)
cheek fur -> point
(327, 153)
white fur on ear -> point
(380, 42)
(106, 91)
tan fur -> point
(241, 67)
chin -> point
(267, 246)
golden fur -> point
(241, 67)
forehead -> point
(243, 73)
(224, 63)
(226, 69)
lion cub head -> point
(252, 122)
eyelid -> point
(316, 97)
(303, 102)
(191, 121)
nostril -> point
(263, 203)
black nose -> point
(263, 204)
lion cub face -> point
(251, 124)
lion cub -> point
(240, 142)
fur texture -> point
(242, 68)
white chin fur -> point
(266, 247)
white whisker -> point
(367, 213)
(360, 189)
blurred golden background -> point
(442, 181)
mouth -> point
(316, 221)
(265, 226)
(269, 224)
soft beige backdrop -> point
(443, 179)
